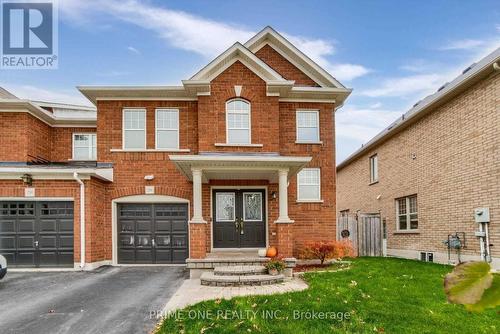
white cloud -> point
(112, 73)
(133, 50)
(406, 86)
(197, 34)
(40, 94)
(362, 124)
(419, 66)
(462, 44)
(347, 72)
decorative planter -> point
(262, 252)
(273, 272)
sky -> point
(392, 53)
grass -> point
(380, 295)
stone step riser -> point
(236, 284)
(209, 279)
(239, 274)
(240, 270)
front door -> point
(239, 218)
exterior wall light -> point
(27, 179)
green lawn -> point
(382, 295)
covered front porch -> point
(240, 202)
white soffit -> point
(105, 174)
(74, 117)
(239, 166)
(269, 36)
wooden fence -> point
(364, 231)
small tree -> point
(325, 250)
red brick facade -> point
(27, 138)
(202, 126)
(281, 65)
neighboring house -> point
(429, 171)
(240, 156)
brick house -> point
(240, 156)
(429, 171)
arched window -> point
(238, 122)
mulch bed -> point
(310, 267)
(321, 267)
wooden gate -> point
(364, 231)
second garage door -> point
(37, 234)
(152, 233)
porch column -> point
(197, 225)
(283, 197)
(197, 197)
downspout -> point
(82, 219)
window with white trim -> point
(238, 122)
(373, 168)
(134, 129)
(407, 213)
(167, 128)
(309, 184)
(85, 146)
(307, 126)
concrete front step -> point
(239, 270)
(198, 266)
(212, 263)
(209, 279)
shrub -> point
(325, 250)
(275, 263)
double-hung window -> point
(134, 129)
(373, 168)
(84, 146)
(407, 213)
(307, 126)
(238, 122)
(167, 128)
(309, 185)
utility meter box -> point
(482, 215)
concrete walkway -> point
(192, 292)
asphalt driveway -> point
(109, 300)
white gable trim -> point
(237, 52)
(281, 45)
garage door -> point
(152, 233)
(37, 234)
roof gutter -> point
(485, 67)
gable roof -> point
(467, 78)
(330, 90)
(269, 36)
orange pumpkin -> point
(271, 252)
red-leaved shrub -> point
(325, 250)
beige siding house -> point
(429, 171)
